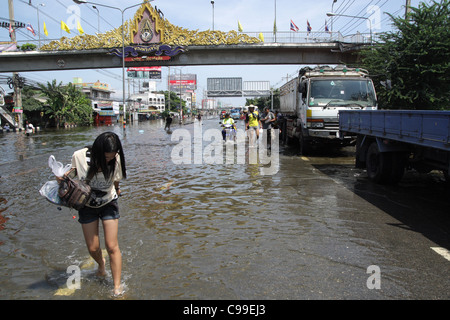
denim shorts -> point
(109, 211)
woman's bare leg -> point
(90, 232)
(111, 229)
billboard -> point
(182, 82)
(256, 88)
(224, 87)
(144, 72)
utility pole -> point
(287, 77)
(407, 8)
(17, 89)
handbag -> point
(74, 193)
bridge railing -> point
(311, 37)
(280, 37)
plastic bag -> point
(57, 167)
(50, 189)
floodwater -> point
(197, 230)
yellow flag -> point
(240, 27)
(65, 27)
(45, 29)
(80, 29)
(261, 37)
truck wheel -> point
(399, 160)
(304, 147)
(378, 164)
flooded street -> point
(312, 230)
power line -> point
(78, 17)
(352, 25)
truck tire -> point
(399, 160)
(378, 164)
(304, 146)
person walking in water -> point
(103, 166)
(252, 123)
(168, 122)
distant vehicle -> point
(235, 114)
(222, 114)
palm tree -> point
(55, 96)
(66, 104)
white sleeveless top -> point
(103, 189)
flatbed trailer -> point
(390, 141)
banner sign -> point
(152, 51)
(144, 72)
(183, 82)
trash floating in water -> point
(141, 131)
(166, 185)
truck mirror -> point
(302, 87)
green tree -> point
(54, 94)
(415, 58)
(78, 106)
(29, 102)
(28, 47)
(174, 101)
(66, 104)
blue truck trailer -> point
(388, 142)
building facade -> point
(105, 109)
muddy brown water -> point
(192, 231)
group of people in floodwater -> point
(253, 121)
(29, 128)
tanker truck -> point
(310, 104)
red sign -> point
(183, 82)
(144, 69)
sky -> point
(253, 15)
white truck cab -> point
(312, 101)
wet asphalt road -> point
(316, 229)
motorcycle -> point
(229, 132)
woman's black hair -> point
(106, 142)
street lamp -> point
(98, 18)
(123, 47)
(212, 2)
(332, 11)
(39, 24)
(331, 14)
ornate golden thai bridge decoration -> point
(149, 29)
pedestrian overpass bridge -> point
(196, 55)
(151, 40)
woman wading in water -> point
(103, 166)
